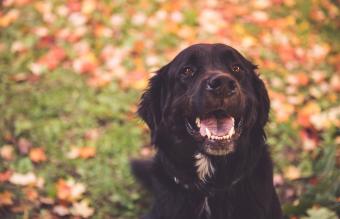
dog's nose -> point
(222, 85)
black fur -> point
(241, 186)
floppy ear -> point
(150, 108)
(260, 93)
(263, 99)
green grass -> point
(55, 114)
(57, 108)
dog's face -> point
(209, 94)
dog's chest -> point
(205, 209)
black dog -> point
(206, 110)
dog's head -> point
(210, 96)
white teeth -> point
(231, 131)
(198, 122)
(208, 132)
(209, 135)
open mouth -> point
(217, 130)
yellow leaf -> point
(292, 172)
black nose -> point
(222, 85)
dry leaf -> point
(292, 173)
(69, 190)
(87, 152)
(23, 179)
(37, 155)
(61, 210)
(92, 134)
(31, 194)
(52, 58)
(20, 208)
(6, 198)
(6, 152)
(46, 200)
(63, 190)
(82, 209)
(73, 153)
(4, 176)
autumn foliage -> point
(71, 72)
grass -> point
(58, 109)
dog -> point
(206, 111)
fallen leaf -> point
(73, 153)
(82, 209)
(8, 18)
(20, 208)
(46, 200)
(37, 155)
(23, 179)
(6, 152)
(4, 176)
(63, 190)
(87, 152)
(92, 134)
(6, 198)
(69, 190)
(61, 210)
(31, 194)
(52, 58)
(320, 213)
(305, 113)
(292, 173)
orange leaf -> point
(87, 152)
(69, 190)
(63, 190)
(52, 58)
(306, 112)
(4, 176)
(302, 79)
(6, 198)
(31, 194)
(37, 155)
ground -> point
(71, 73)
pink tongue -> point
(219, 127)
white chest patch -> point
(204, 167)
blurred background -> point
(72, 71)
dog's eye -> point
(236, 68)
(188, 72)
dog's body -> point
(206, 111)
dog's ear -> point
(152, 102)
(263, 102)
(263, 99)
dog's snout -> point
(221, 85)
